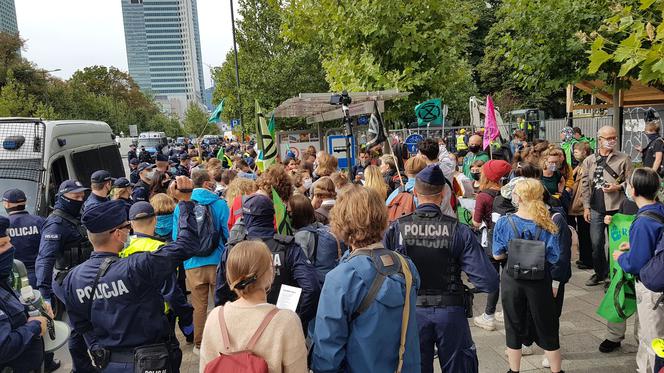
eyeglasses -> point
(127, 225)
(609, 138)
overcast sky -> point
(72, 34)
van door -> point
(57, 174)
(111, 160)
(85, 164)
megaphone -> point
(58, 331)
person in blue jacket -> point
(529, 305)
(127, 309)
(357, 329)
(413, 166)
(101, 183)
(64, 245)
(441, 249)
(201, 271)
(644, 238)
(21, 346)
(291, 265)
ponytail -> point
(531, 191)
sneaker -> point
(594, 281)
(485, 322)
(526, 350)
(608, 346)
(545, 362)
(499, 317)
(197, 351)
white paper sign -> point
(289, 296)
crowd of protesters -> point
(378, 252)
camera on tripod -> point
(341, 99)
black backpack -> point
(208, 234)
(526, 258)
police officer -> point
(133, 170)
(64, 245)
(441, 249)
(144, 155)
(141, 190)
(291, 264)
(183, 167)
(21, 346)
(143, 222)
(122, 189)
(131, 154)
(24, 231)
(127, 310)
(101, 183)
(162, 163)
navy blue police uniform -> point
(24, 231)
(127, 310)
(131, 154)
(21, 346)
(182, 170)
(121, 183)
(133, 172)
(98, 177)
(291, 264)
(63, 245)
(141, 190)
(441, 249)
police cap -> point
(101, 176)
(104, 216)
(122, 182)
(161, 157)
(134, 161)
(71, 186)
(14, 196)
(141, 210)
(145, 166)
(431, 174)
(259, 205)
(4, 224)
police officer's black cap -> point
(134, 161)
(431, 174)
(259, 205)
(4, 224)
(184, 156)
(141, 210)
(173, 160)
(14, 196)
(122, 182)
(71, 186)
(145, 166)
(161, 157)
(105, 216)
(101, 176)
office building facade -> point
(164, 51)
(8, 17)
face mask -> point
(552, 167)
(628, 194)
(307, 183)
(476, 175)
(474, 148)
(70, 206)
(652, 136)
(609, 145)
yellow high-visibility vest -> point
(141, 245)
(461, 143)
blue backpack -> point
(208, 234)
(651, 274)
(327, 249)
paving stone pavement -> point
(581, 330)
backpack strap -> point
(378, 280)
(261, 329)
(315, 252)
(511, 221)
(103, 268)
(652, 215)
(224, 330)
(405, 269)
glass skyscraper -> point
(164, 50)
(8, 17)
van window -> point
(85, 163)
(57, 175)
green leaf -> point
(659, 66)
(597, 58)
(645, 4)
(626, 67)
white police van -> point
(152, 140)
(36, 156)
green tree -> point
(418, 46)
(195, 122)
(271, 68)
(15, 101)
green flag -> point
(266, 135)
(281, 216)
(619, 302)
(215, 117)
(430, 112)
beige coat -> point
(621, 164)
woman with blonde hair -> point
(373, 179)
(367, 341)
(326, 165)
(528, 296)
(230, 328)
